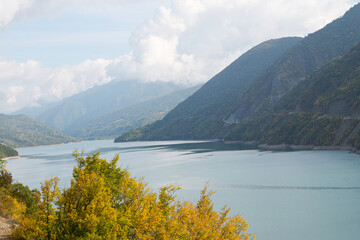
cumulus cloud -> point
(192, 40)
(186, 42)
(9, 8)
(23, 84)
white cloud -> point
(12, 10)
(194, 39)
(186, 42)
(23, 84)
(9, 9)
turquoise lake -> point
(282, 195)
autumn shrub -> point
(11, 208)
(105, 202)
(24, 195)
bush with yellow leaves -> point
(105, 202)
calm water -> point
(282, 195)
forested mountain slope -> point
(333, 91)
(218, 97)
(322, 110)
(6, 151)
(22, 131)
(307, 56)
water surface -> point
(283, 195)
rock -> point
(5, 228)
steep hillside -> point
(218, 96)
(6, 151)
(322, 110)
(21, 131)
(334, 90)
(76, 110)
(308, 55)
(125, 119)
(202, 114)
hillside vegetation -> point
(218, 96)
(201, 115)
(309, 55)
(321, 110)
(6, 151)
(22, 131)
(334, 90)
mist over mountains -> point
(109, 110)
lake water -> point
(282, 195)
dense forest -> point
(321, 110)
(334, 90)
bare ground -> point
(5, 228)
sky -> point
(52, 49)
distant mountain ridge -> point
(74, 111)
(139, 114)
(23, 131)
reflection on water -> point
(290, 195)
(193, 147)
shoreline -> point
(55, 144)
(294, 147)
(304, 147)
(257, 144)
(12, 157)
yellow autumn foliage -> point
(105, 202)
(11, 208)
